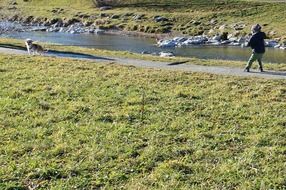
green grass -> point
(78, 125)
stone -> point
(100, 22)
(91, 31)
(160, 19)
(166, 29)
(42, 29)
(238, 26)
(242, 40)
(14, 18)
(146, 29)
(115, 17)
(141, 29)
(70, 22)
(57, 10)
(216, 37)
(93, 17)
(104, 8)
(272, 33)
(83, 16)
(145, 52)
(166, 54)
(196, 23)
(138, 17)
(134, 28)
(13, 3)
(99, 31)
(59, 23)
(61, 29)
(222, 27)
(102, 15)
(128, 14)
(213, 21)
(88, 23)
(166, 43)
(12, 8)
(28, 20)
(211, 31)
(54, 21)
(236, 33)
(37, 20)
(121, 26)
(223, 36)
(271, 43)
(225, 42)
(53, 30)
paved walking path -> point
(176, 66)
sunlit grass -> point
(68, 124)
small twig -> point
(143, 102)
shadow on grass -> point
(274, 73)
(175, 4)
(177, 63)
(70, 54)
(67, 54)
(12, 46)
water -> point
(9, 26)
(141, 44)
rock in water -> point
(166, 54)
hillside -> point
(180, 17)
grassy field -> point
(185, 17)
(78, 125)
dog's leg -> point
(28, 49)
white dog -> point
(34, 48)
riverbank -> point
(163, 41)
(192, 19)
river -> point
(143, 44)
